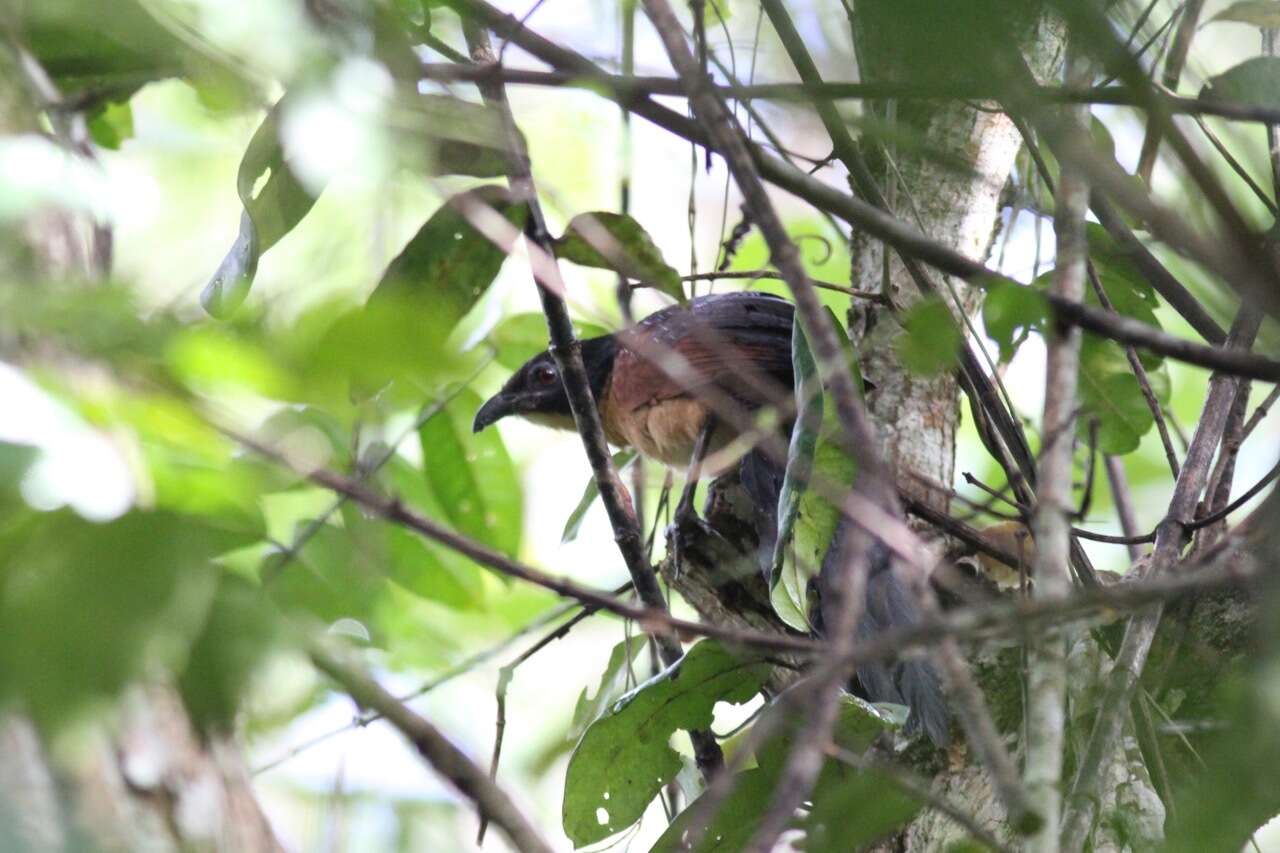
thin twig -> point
(1173, 65)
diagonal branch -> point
(445, 758)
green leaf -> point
(931, 339)
(1010, 312)
(788, 581)
(448, 265)
(1111, 395)
(807, 520)
(624, 758)
(1255, 81)
(97, 603)
(615, 241)
(1109, 392)
(472, 476)
(426, 569)
(520, 337)
(111, 124)
(590, 492)
(238, 632)
(1259, 13)
(618, 675)
(274, 202)
(335, 575)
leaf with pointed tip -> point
(615, 241)
(624, 757)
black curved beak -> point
(497, 408)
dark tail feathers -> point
(913, 682)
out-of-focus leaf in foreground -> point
(86, 606)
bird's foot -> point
(689, 532)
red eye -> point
(544, 375)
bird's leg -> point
(686, 516)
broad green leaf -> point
(239, 630)
(274, 202)
(807, 519)
(590, 492)
(520, 337)
(852, 809)
(615, 241)
(1010, 312)
(931, 339)
(89, 606)
(1254, 81)
(427, 569)
(614, 681)
(472, 476)
(624, 758)
(336, 574)
(111, 124)
(121, 48)
(394, 345)
(1110, 394)
(448, 265)
(1259, 13)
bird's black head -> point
(535, 391)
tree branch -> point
(1051, 525)
(568, 356)
(445, 758)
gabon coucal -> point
(656, 386)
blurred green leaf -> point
(120, 49)
(624, 759)
(1010, 312)
(931, 339)
(428, 570)
(520, 337)
(615, 241)
(238, 632)
(334, 575)
(87, 606)
(111, 124)
(1259, 13)
(590, 492)
(274, 202)
(1254, 81)
(448, 265)
(472, 476)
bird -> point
(666, 387)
